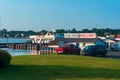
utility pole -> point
(0, 22)
(0, 26)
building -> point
(117, 38)
(108, 40)
(81, 39)
(81, 42)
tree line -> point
(26, 34)
(99, 32)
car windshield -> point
(88, 48)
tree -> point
(85, 30)
(74, 30)
(60, 31)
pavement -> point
(113, 54)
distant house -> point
(117, 38)
(108, 40)
(79, 41)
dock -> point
(38, 47)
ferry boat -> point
(42, 38)
(49, 36)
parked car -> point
(115, 46)
(68, 49)
(94, 50)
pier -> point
(3, 45)
(39, 48)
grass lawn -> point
(61, 67)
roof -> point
(76, 39)
(92, 40)
(84, 40)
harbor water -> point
(19, 52)
(15, 52)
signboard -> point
(80, 35)
(87, 35)
(71, 35)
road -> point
(113, 54)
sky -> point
(39, 15)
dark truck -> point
(68, 49)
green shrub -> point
(5, 58)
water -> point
(15, 52)
(19, 52)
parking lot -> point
(113, 54)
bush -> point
(5, 58)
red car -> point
(68, 49)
